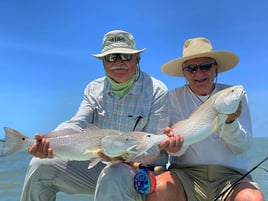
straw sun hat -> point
(200, 47)
(118, 41)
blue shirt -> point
(147, 99)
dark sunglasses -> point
(205, 66)
(113, 57)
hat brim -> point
(225, 61)
(117, 51)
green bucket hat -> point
(118, 41)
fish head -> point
(147, 139)
(117, 145)
(227, 100)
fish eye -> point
(23, 138)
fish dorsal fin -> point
(63, 132)
(221, 130)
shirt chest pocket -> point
(137, 122)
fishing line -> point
(236, 182)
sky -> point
(46, 51)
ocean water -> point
(13, 168)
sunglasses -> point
(205, 66)
(113, 57)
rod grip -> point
(155, 168)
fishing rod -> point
(238, 180)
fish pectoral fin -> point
(221, 132)
(219, 120)
(92, 151)
(130, 149)
(215, 124)
(93, 162)
(142, 148)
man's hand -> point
(173, 144)
(41, 148)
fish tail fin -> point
(13, 142)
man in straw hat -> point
(125, 99)
(209, 167)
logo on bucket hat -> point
(118, 41)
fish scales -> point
(210, 116)
(200, 121)
(66, 144)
